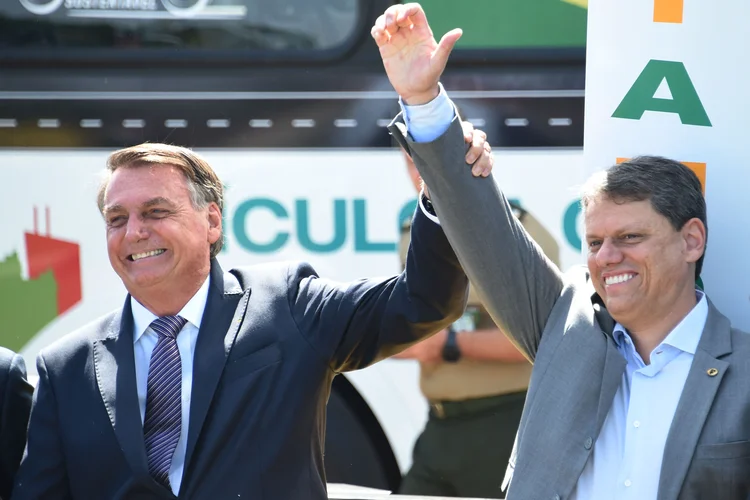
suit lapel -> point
(614, 367)
(703, 381)
(114, 364)
(219, 326)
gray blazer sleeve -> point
(511, 275)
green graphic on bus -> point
(27, 305)
(52, 288)
(497, 24)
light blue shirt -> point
(144, 342)
(625, 463)
(427, 122)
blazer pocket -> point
(737, 449)
(238, 367)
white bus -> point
(289, 102)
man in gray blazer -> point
(206, 383)
(640, 385)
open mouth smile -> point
(144, 255)
(619, 278)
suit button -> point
(587, 444)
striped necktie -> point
(161, 427)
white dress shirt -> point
(625, 463)
(144, 342)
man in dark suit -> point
(15, 404)
(213, 384)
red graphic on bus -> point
(63, 258)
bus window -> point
(204, 26)
(511, 24)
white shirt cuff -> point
(427, 122)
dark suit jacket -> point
(559, 322)
(272, 339)
(15, 404)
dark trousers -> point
(464, 448)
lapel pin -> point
(712, 372)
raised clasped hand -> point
(412, 58)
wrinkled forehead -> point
(141, 182)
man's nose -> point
(608, 254)
(136, 229)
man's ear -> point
(214, 223)
(694, 235)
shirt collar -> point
(192, 311)
(686, 335)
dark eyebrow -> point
(628, 229)
(157, 201)
(112, 208)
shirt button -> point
(556, 497)
(636, 423)
(627, 483)
(587, 444)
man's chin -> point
(616, 306)
(144, 283)
(624, 311)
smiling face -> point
(640, 265)
(158, 242)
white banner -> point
(668, 78)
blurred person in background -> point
(475, 382)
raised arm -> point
(513, 278)
(353, 325)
